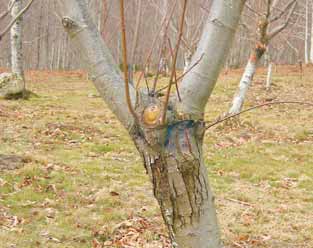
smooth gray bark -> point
(307, 40)
(269, 76)
(214, 45)
(16, 41)
(101, 66)
(244, 85)
(14, 84)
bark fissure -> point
(171, 148)
(180, 185)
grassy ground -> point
(83, 183)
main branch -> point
(218, 33)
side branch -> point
(125, 62)
(5, 13)
(214, 45)
(283, 11)
(173, 72)
(8, 27)
(253, 108)
(280, 28)
(103, 70)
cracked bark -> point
(180, 183)
(172, 152)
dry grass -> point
(83, 184)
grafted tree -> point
(265, 33)
(167, 133)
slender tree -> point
(264, 36)
(14, 83)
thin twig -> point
(148, 59)
(125, 62)
(191, 67)
(239, 202)
(18, 16)
(256, 107)
(181, 29)
(156, 78)
(5, 13)
(183, 75)
(172, 55)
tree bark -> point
(14, 84)
(311, 33)
(17, 42)
(269, 76)
(172, 151)
(215, 42)
(180, 182)
(307, 41)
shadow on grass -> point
(12, 162)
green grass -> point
(84, 175)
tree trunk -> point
(307, 43)
(172, 151)
(244, 85)
(311, 34)
(216, 39)
(14, 85)
(269, 76)
(187, 60)
(180, 182)
(247, 79)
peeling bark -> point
(180, 182)
(171, 150)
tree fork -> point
(172, 150)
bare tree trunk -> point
(264, 37)
(39, 32)
(244, 85)
(216, 39)
(269, 76)
(172, 151)
(15, 83)
(180, 182)
(187, 60)
(311, 33)
(307, 48)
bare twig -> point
(175, 80)
(148, 59)
(125, 63)
(251, 9)
(168, 93)
(268, 9)
(283, 11)
(184, 74)
(190, 68)
(18, 16)
(280, 28)
(256, 107)
(5, 13)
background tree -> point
(13, 84)
(265, 33)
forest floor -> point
(76, 180)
